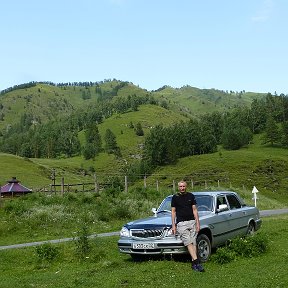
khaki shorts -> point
(187, 232)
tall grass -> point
(105, 267)
(37, 217)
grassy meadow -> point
(103, 266)
(97, 262)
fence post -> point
(95, 183)
(126, 184)
(53, 178)
(145, 185)
(62, 186)
(192, 184)
(157, 185)
(218, 183)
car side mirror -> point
(154, 210)
(222, 207)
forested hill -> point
(117, 127)
(46, 101)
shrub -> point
(223, 255)
(82, 244)
(47, 252)
(249, 246)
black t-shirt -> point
(183, 204)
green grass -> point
(148, 115)
(195, 101)
(106, 267)
(265, 167)
(39, 217)
(261, 166)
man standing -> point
(185, 221)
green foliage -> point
(93, 142)
(139, 130)
(272, 133)
(165, 145)
(250, 246)
(47, 252)
(284, 132)
(223, 255)
(83, 247)
(106, 267)
(235, 137)
(111, 143)
(42, 217)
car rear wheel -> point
(250, 229)
(203, 247)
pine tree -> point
(272, 133)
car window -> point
(165, 205)
(204, 202)
(220, 201)
(233, 202)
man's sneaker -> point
(198, 268)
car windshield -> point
(204, 203)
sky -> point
(221, 44)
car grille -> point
(147, 233)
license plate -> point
(143, 245)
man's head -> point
(182, 185)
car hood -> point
(161, 220)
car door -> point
(221, 225)
(238, 216)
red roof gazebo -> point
(13, 188)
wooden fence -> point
(97, 186)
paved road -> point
(55, 241)
(263, 213)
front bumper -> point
(169, 245)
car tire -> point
(203, 247)
(250, 229)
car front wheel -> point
(203, 247)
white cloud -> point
(264, 12)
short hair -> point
(183, 182)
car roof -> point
(210, 193)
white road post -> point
(255, 191)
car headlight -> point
(124, 232)
(169, 232)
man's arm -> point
(195, 213)
(173, 218)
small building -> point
(14, 188)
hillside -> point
(46, 102)
(263, 167)
(257, 165)
(195, 101)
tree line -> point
(232, 130)
(29, 138)
(163, 145)
(63, 84)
